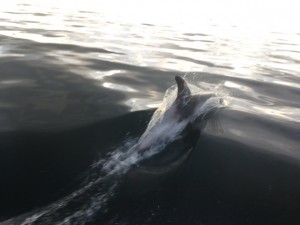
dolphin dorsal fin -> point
(183, 92)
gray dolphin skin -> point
(176, 134)
(186, 102)
(183, 93)
(187, 111)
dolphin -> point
(187, 113)
(171, 135)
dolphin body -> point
(186, 112)
(172, 136)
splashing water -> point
(104, 177)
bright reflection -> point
(258, 14)
(287, 113)
(278, 112)
(99, 75)
(16, 82)
(118, 87)
(249, 25)
(237, 86)
(140, 104)
(296, 85)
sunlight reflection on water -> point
(123, 46)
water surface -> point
(76, 82)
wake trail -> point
(105, 175)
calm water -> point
(77, 82)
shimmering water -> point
(75, 77)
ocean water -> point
(80, 81)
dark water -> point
(76, 84)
